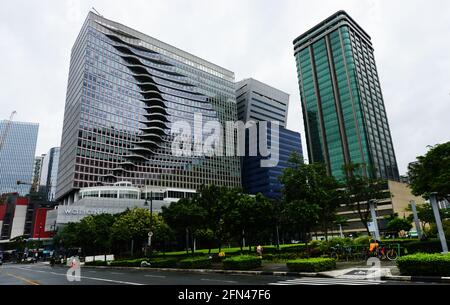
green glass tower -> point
(343, 108)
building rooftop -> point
(333, 20)
(185, 57)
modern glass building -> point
(49, 174)
(17, 154)
(257, 101)
(125, 91)
(264, 180)
(343, 107)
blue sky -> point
(251, 38)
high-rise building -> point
(257, 101)
(265, 180)
(49, 174)
(343, 108)
(37, 170)
(125, 91)
(17, 156)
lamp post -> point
(374, 218)
(150, 234)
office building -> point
(37, 169)
(49, 174)
(257, 101)
(343, 107)
(265, 180)
(17, 152)
(125, 91)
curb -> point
(423, 279)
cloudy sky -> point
(251, 38)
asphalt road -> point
(43, 274)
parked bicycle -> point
(340, 252)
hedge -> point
(195, 263)
(423, 264)
(243, 262)
(428, 246)
(154, 263)
(312, 265)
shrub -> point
(312, 265)
(429, 246)
(362, 241)
(195, 263)
(243, 262)
(154, 263)
(163, 263)
(422, 264)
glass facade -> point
(264, 180)
(343, 107)
(125, 90)
(17, 156)
(49, 174)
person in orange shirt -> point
(373, 246)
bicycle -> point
(385, 252)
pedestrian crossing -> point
(326, 282)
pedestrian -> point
(259, 250)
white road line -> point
(221, 281)
(84, 277)
(116, 273)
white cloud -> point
(253, 38)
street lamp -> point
(150, 234)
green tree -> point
(215, 201)
(248, 217)
(310, 196)
(136, 224)
(185, 216)
(396, 224)
(431, 173)
(360, 189)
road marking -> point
(222, 281)
(157, 276)
(116, 273)
(328, 281)
(30, 282)
(85, 277)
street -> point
(43, 274)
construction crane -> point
(5, 132)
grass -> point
(233, 250)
